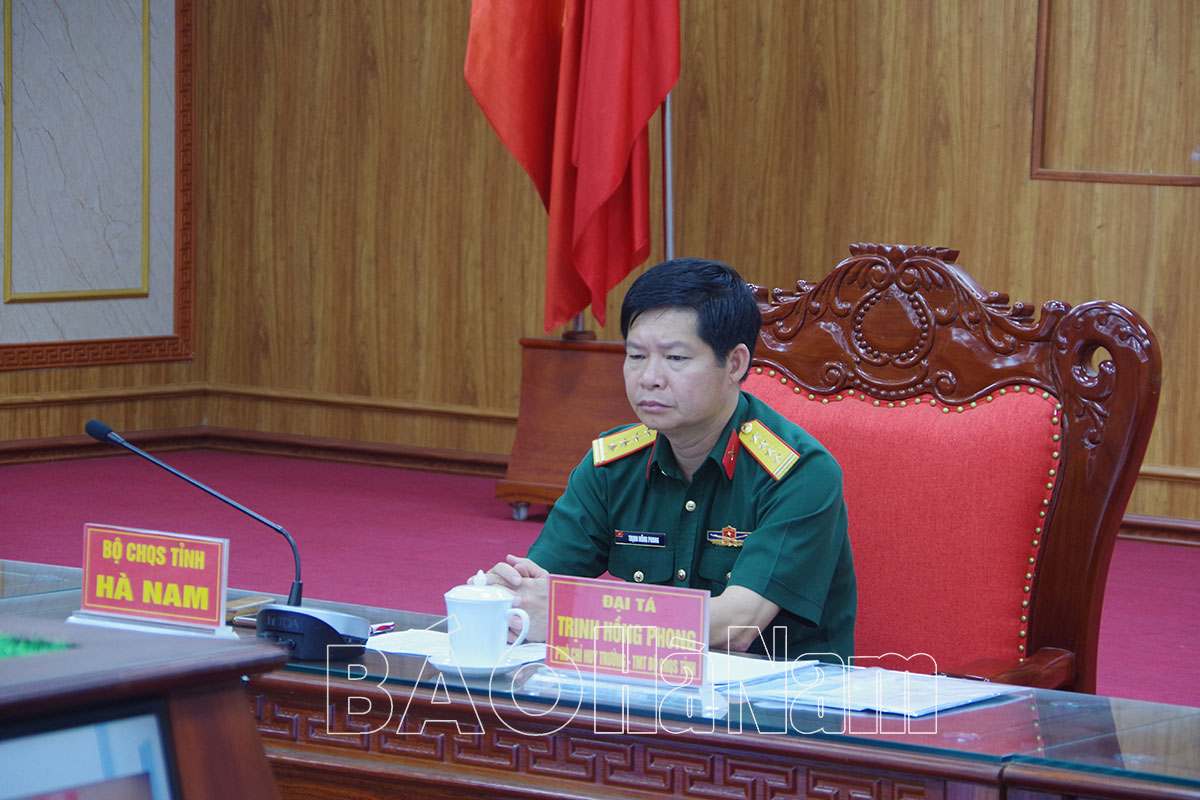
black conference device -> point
(306, 632)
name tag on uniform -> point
(728, 537)
(645, 539)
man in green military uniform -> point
(713, 490)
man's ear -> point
(738, 362)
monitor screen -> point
(120, 752)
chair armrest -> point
(1048, 668)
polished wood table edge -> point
(1026, 776)
(39, 682)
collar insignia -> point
(729, 460)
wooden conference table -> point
(383, 726)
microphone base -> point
(313, 634)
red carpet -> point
(1150, 629)
(373, 535)
(400, 538)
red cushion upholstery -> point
(945, 507)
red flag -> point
(512, 69)
(570, 86)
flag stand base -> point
(572, 390)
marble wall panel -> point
(88, 200)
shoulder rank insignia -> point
(620, 444)
(770, 451)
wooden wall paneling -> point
(809, 128)
(371, 237)
(1175, 255)
(1115, 92)
(1094, 242)
(32, 421)
(39, 404)
(1175, 447)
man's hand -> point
(531, 585)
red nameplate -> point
(657, 633)
(165, 577)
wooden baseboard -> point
(1148, 528)
(240, 441)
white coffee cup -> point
(478, 617)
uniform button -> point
(639, 576)
(690, 505)
(682, 574)
(728, 575)
(748, 427)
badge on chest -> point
(728, 537)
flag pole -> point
(577, 331)
(668, 189)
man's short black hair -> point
(725, 309)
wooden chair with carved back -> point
(988, 456)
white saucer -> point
(525, 654)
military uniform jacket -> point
(764, 511)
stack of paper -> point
(728, 669)
(873, 689)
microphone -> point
(308, 631)
(104, 433)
